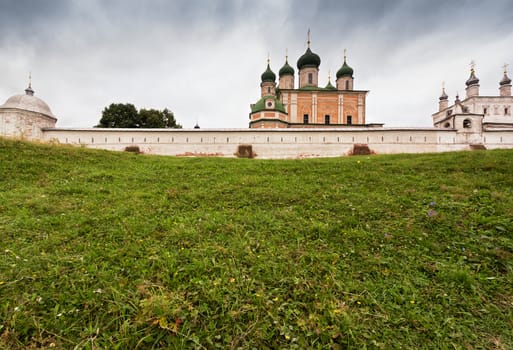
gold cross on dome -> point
(505, 68)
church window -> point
(326, 119)
(506, 111)
(305, 118)
(449, 112)
(310, 78)
(485, 110)
(467, 123)
(447, 125)
(349, 120)
(347, 84)
(269, 90)
(269, 104)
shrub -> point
(133, 149)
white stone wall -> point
(23, 124)
(282, 143)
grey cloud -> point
(188, 55)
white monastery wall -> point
(282, 143)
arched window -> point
(310, 78)
(349, 120)
(326, 119)
(347, 84)
(305, 119)
(467, 123)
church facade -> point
(308, 105)
(476, 113)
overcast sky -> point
(203, 59)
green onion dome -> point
(286, 69)
(309, 59)
(268, 75)
(345, 70)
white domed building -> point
(25, 116)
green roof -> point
(308, 59)
(345, 71)
(329, 86)
(318, 88)
(268, 75)
(286, 69)
(260, 105)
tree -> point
(152, 118)
(119, 115)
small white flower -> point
(16, 309)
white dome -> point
(28, 102)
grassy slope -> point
(112, 250)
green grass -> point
(105, 250)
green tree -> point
(119, 115)
(152, 118)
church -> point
(306, 121)
(476, 113)
(308, 105)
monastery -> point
(292, 122)
(308, 106)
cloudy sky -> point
(203, 59)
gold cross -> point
(505, 68)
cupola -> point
(268, 84)
(309, 59)
(345, 78)
(345, 70)
(505, 83)
(286, 75)
(268, 75)
(443, 99)
(286, 69)
(308, 66)
(472, 82)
